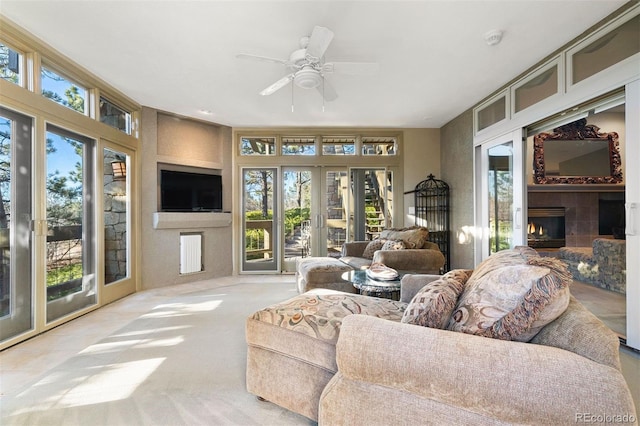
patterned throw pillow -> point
(413, 237)
(433, 304)
(512, 295)
(372, 247)
(393, 245)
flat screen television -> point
(190, 192)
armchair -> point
(420, 256)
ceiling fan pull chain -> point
(292, 98)
(323, 93)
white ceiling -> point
(180, 56)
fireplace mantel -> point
(190, 220)
(575, 188)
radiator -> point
(190, 253)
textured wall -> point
(456, 163)
(160, 247)
(421, 157)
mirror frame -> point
(573, 131)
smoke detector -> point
(493, 37)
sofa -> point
(406, 250)
(342, 358)
(603, 264)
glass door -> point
(501, 199)
(632, 214)
(333, 222)
(298, 199)
(314, 226)
(260, 220)
(16, 284)
(70, 195)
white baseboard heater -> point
(190, 253)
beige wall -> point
(421, 157)
(183, 143)
(456, 156)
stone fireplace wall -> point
(581, 214)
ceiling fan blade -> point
(277, 85)
(328, 92)
(261, 58)
(351, 68)
(318, 43)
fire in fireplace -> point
(546, 228)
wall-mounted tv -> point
(190, 192)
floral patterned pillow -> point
(433, 304)
(372, 247)
(393, 245)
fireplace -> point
(546, 227)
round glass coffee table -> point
(369, 287)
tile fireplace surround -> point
(581, 213)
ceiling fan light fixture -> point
(307, 78)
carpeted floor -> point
(172, 356)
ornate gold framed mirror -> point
(576, 153)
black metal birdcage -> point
(432, 211)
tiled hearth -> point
(581, 213)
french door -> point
(500, 200)
(316, 212)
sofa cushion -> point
(413, 237)
(372, 247)
(392, 245)
(512, 295)
(321, 269)
(433, 304)
(318, 313)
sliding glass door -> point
(16, 245)
(71, 236)
(501, 194)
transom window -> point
(258, 146)
(379, 146)
(114, 116)
(304, 145)
(332, 145)
(10, 65)
(63, 91)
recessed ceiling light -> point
(205, 112)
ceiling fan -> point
(308, 68)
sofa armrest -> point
(462, 376)
(422, 261)
(412, 283)
(354, 248)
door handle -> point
(630, 220)
(518, 224)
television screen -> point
(190, 192)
